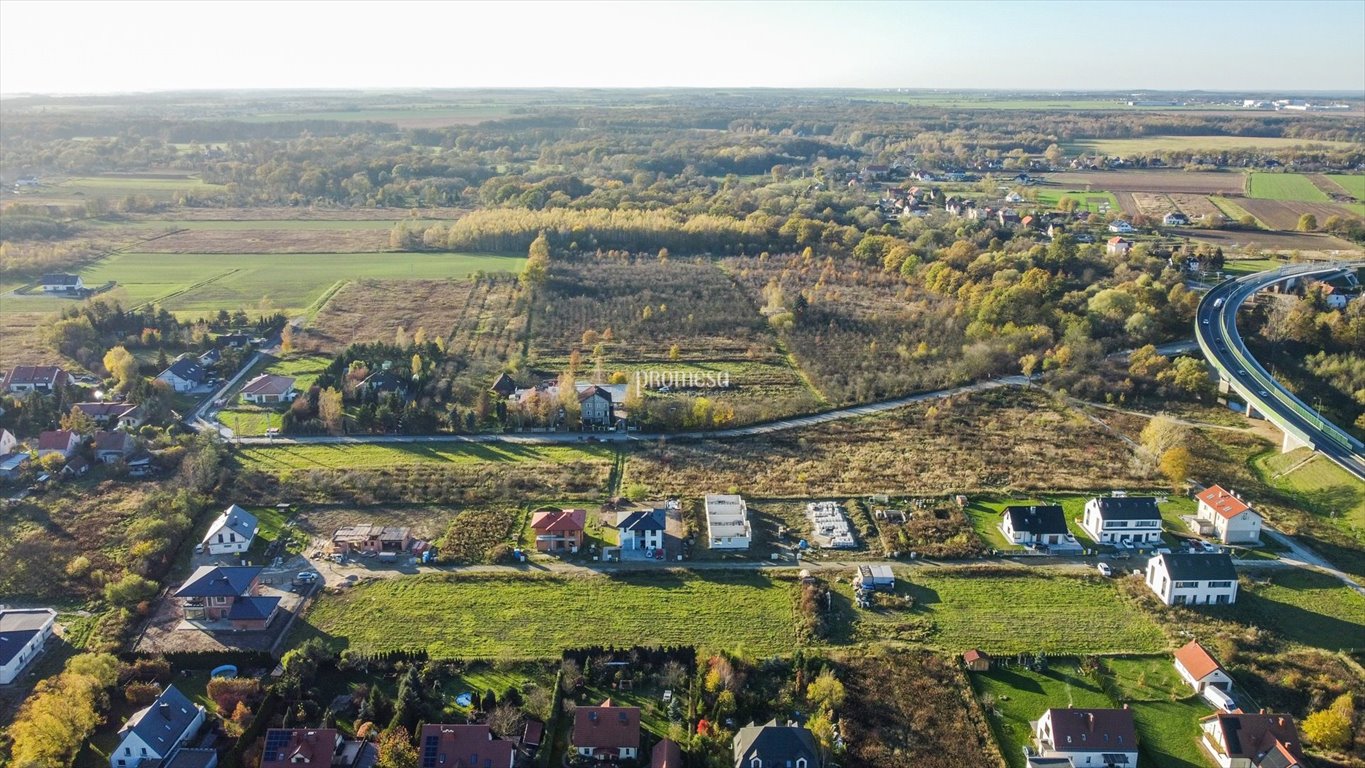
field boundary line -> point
(311, 313)
(187, 288)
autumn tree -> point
(1308, 222)
(396, 750)
(62, 712)
(121, 365)
(78, 421)
(825, 691)
(330, 411)
(1175, 465)
(287, 339)
(1330, 728)
(1163, 433)
(537, 262)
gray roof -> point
(252, 608)
(58, 278)
(1128, 508)
(192, 758)
(219, 581)
(1191, 567)
(643, 520)
(162, 723)
(18, 627)
(1037, 520)
(187, 369)
(775, 745)
(235, 519)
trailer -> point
(878, 578)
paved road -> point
(1216, 331)
(850, 412)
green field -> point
(1151, 144)
(1286, 186)
(538, 617)
(257, 224)
(1234, 211)
(202, 283)
(1015, 697)
(1355, 185)
(1247, 266)
(1013, 614)
(1088, 201)
(375, 455)
(1306, 607)
(1320, 487)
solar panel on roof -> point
(429, 746)
(275, 742)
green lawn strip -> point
(1009, 614)
(1234, 211)
(1354, 185)
(1286, 186)
(1015, 697)
(537, 617)
(1248, 266)
(1318, 485)
(375, 455)
(1086, 200)
(1307, 607)
(1167, 710)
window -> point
(1219, 584)
(800, 762)
(1186, 584)
(755, 763)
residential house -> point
(1188, 579)
(1117, 246)
(139, 464)
(185, 374)
(666, 754)
(218, 593)
(976, 661)
(60, 441)
(114, 415)
(1334, 297)
(1175, 219)
(22, 635)
(288, 747)
(464, 746)
(1027, 222)
(775, 746)
(113, 447)
(504, 385)
(1121, 227)
(234, 340)
(157, 730)
(1102, 738)
(642, 529)
(559, 530)
(371, 538)
(60, 282)
(269, 389)
(7, 442)
(1014, 198)
(12, 465)
(211, 358)
(606, 732)
(727, 522)
(1233, 521)
(75, 466)
(1199, 669)
(1126, 520)
(231, 532)
(595, 407)
(1042, 526)
(1242, 740)
(382, 383)
(23, 379)
(1007, 217)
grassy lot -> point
(1006, 612)
(985, 514)
(248, 419)
(1247, 266)
(1286, 186)
(1234, 211)
(201, 283)
(1352, 184)
(1166, 710)
(538, 617)
(373, 456)
(1088, 200)
(257, 224)
(1321, 487)
(1306, 607)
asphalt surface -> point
(1215, 328)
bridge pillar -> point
(1252, 413)
(1224, 385)
(1291, 442)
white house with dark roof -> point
(269, 389)
(23, 379)
(642, 529)
(1042, 526)
(1132, 520)
(1100, 738)
(158, 730)
(1228, 517)
(60, 282)
(595, 406)
(231, 532)
(775, 746)
(1189, 579)
(185, 374)
(23, 631)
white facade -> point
(1233, 521)
(1093, 752)
(1176, 589)
(40, 622)
(231, 532)
(727, 522)
(177, 384)
(132, 749)
(1105, 528)
(1215, 679)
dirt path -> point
(1327, 185)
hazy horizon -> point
(83, 48)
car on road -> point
(1241, 372)
(1105, 570)
(1206, 321)
(1262, 393)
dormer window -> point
(755, 763)
(800, 762)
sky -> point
(56, 46)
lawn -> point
(1015, 697)
(1087, 200)
(1306, 607)
(247, 419)
(1319, 487)
(1247, 266)
(1010, 612)
(1286, 186)
(1168, 727)
(202, 283)
(539, 617)
(375, 456)
(1352, 184)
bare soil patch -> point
(1194, 206)
(426, 522)
(307, 214)
(374, 310)
(272, 241)
(1152, 204)
(1128, 203)
(1152, 181)
(21, 340)
(1284, 214)
(1307, 242)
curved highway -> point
(1215, 328)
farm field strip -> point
(374, 456)
(1152, 181)
(532, 618)
(1153, 144)
(1285, 186)
(1234, 210)
(234, 225)
(1284, 214)
(1351, 185)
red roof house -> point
(559, 530)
